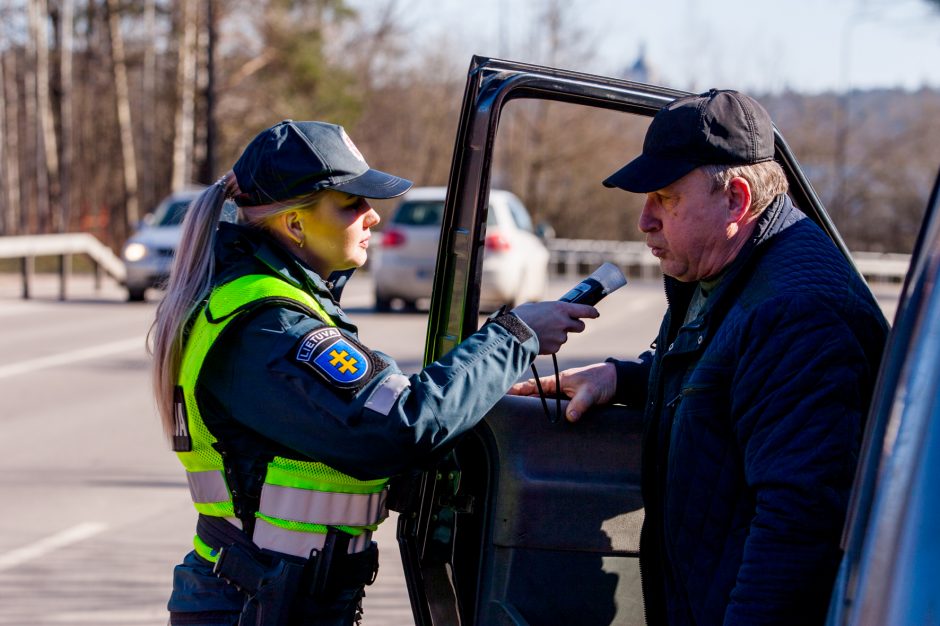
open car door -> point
(891, 564)
(529, 521)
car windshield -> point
(420, 213)
(171, 213)
(430, 213)
(519, 215)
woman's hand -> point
(586, 386)
(552, 321)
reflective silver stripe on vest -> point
(300, 543)
(322, 507)
(206, 487)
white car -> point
(515, 262)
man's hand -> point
(586, 386)
(552, 321)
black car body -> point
(534, 522)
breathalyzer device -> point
(604, 280)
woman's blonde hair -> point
(191, 280)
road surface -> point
(96, 508)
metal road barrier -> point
(574, 258)
(570, 258)
(882, 266)
(28, 247)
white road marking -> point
(65, 358)
(6, 310)
(47, 545)
(104, 616)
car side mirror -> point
(146, 220)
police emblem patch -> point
(337, 358)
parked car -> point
(148, 254)
(515, 260)
(530, 521)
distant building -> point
(641, 71)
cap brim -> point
(645, 174)
(375, 184)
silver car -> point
(515, 262)
(148, 254)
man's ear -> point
(739, 197)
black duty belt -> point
(250, 568)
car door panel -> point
(565, 514)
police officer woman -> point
(287, 425)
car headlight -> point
(135, 251)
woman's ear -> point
(294, 227)
(739, 195)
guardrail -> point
(570, 258)
(573, 258)
(28, 247)
(882, 266)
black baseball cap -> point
(718, 127)
(293, 159)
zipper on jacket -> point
(672, 403)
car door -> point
(892, 535)
(529, 521)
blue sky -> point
(757, 45)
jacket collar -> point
(243, 250)
(777, 217)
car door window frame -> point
(491, 84)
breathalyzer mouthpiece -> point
(603, 281)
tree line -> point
(108, 105)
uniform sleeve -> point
(319, 391)
(800, 392)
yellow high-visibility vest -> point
(299, 499)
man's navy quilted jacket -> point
(754, 418)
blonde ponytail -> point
(189, 284)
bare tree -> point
(207, 86)
(11, 145)
(101, 200)
(402, 107)
(48, 172)
(6, 200)
(67, 27)
(186, 86)
(34, 202)
(148, 105)
(132, 211)
(301, 78)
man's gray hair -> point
(766, 179)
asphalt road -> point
(96, 508)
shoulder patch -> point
(339, 359)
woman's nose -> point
(372, 218)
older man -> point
(757, 386)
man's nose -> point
(647, 222)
